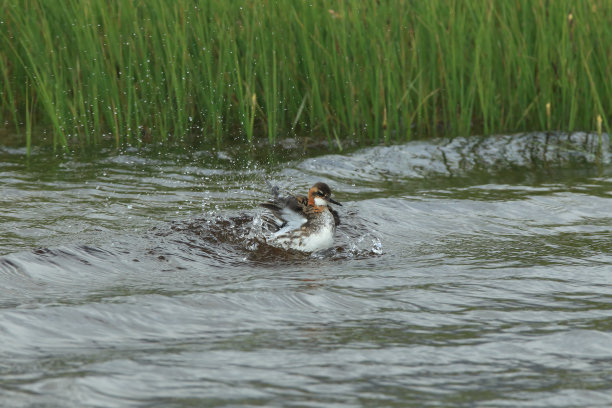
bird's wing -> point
(290, 211)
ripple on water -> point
(456, 279)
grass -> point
(138, 71)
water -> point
(471, 273)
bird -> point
(305, 224)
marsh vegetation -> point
(135, 72)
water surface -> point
(476, 272)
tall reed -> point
(135, 71)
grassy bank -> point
(136, 70)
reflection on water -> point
(470, 273)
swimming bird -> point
(305, 224)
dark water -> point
(471, 273)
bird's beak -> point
(331, 200)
